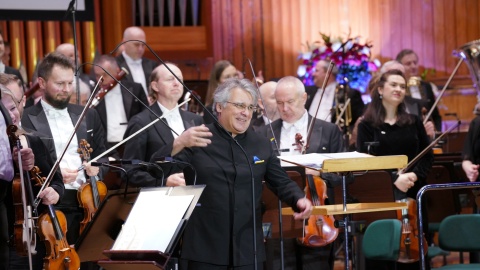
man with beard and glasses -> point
(54, 118)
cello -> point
(319, 230)
(52, 228)
(90, 194)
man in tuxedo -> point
(119, 105)
(139, 68)
(325, 138)
(53, 117)
(4, 68)
(425, 91)
(175, 131)
(267, 104)
(326, 111)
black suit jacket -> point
(148, 66)
(356, 102)
(131, 104)
(90, 128)
(143, 145)
(429, 97)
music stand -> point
(101, 234)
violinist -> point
(397, 133)
(290, 97)
(219, 234)
(185, 125)
(267, 104)
(118, 106)
(14, 84)
(54, 118)
(35, 153)
(139, 68)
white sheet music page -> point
(152, 222)
(315, 161)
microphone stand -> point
(72, 8)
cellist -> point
(325, 138)
(387, 122)
(33, 152)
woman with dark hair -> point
(222, 71)
(393, 131)
(397, 132)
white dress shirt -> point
(136, 69)
(325, 110)
(174, 120)
(287, 135)
(61, 127)
(116, 116)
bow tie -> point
(57, 113)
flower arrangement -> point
(351, 58)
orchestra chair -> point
(381, 240)
(459, 233)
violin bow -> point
(75, 128)
(425, 120)
(430, 146)
(310, 126)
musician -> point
(221, 71)
(470, 165)
(54, 118)
(139, 67)
(409, 59)
(50, 195)
(68, 50)
(325, 137)
(269, 112)
(328, 101)
(219, 233)
(118, 106)
(14, 84)
(397, 133)
(167, 91)
(4, 68)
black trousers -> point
(194, 265)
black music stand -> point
(101, 233)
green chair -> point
(381, 240)
(460, 233)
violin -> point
(52, 227)
(24, 235)
(104, 89)
(91, 194)
(319, 230)
(409, 243)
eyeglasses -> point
(242, 106)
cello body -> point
(319, 230)
(409, 243)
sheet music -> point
(315, 160)
(152, 222)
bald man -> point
(267, 104)
(68, 50)
(139, 68)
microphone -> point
(133, 95)
(152, 168)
